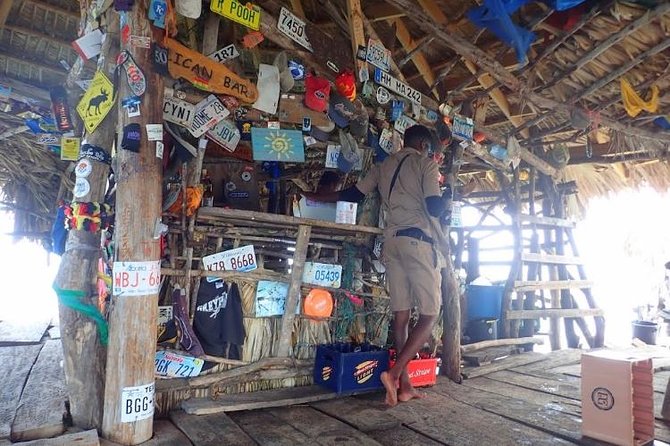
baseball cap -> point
(322, 132)
(341, 110)
(359, 123)
(345, 82)
(317, 92)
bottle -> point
(208, 189)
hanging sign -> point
(245, 13)
(83, 168)
(69, 148)
(322, 274)
(225, 54)
(463, 127)
(61, 109)
(176, 366)
(178, 111)
(226, 134)
(206, 73)
(96, 102)
(397, 86)
(293, 27)
(208, 112)
(403, 123)
(51, 139)
(277, 145)
(378, 55)
(137, 403)
(81, 187)
(241, 259)
(136, 278)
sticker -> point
(140, 41)
(247, 14)
(81, 187)
(602, 398)
(176, 366)
(52, 139)
(274, 125)
(322, 274)
(463, 127)
(403, 123)
(137, 403)
(226, 134)
(160, 147)
(164, 314)
(225, 54)
(89, 45)
(208, 112)
(365, 370)
(69, 148)
(154, 132)
(293, 27)
(96, 102)
(157, 12)
(133, 110)
(241, 259)
(246, 176)
(83, 168)
(277, 145)
(178, 111)
(333, 153)
(159, 59)
(134, 75)
(378, 55)
(383, 96)
(310, 140)
(136, 278)
(306, 124)
(397, 86)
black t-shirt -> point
(218, 320)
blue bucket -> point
(484, 301)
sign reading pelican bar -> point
(136, 278)
(137, 403)
(397, 86)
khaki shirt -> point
(418, 179)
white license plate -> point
(177, 366)
(463, 127)
(226, 134)
(377, 55)
(241, 259)
(208, 112)
(293, 27)
(225, 54)
(322, 274)
(178, 111)
(403, 123)
(397, 86)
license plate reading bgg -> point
(293, 27)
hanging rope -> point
(74, 299)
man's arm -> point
(437, 203)
(352, 194)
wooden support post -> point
(4, 11)
(355, 19)
(293, 297)
(665, 409)
(129, 383)
(420, 61)
(83, 353)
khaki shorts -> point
(412, 274)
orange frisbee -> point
(318, 304)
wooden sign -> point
(207, 74)
(96, 102)
(292, 110)
(277, 145)
(397, 86)
(245, 13)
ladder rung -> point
(549, 221)
(554, 312)
(534, 285)
(551, 258)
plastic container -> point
(348, 368)
(484, 301)
(422, 372)
(645, 331)
(482, 330)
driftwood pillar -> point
(83, 353)
(129, 381)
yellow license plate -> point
(247, 14)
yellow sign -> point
(69, 149)
(247, 14)
(96, 102)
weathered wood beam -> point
(53, 8)
(34, 63)
(381, 12)
(356, 33)
(13, 132)
(420, 45)
(296, 6)
(39, 35)
(485, 61)
(612, 40)
(5, 8)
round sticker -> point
(81, 187)
(246, 176)
(383, 96)
(83, 168)
(602, 398)
(230, 186)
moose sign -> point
(96, 102)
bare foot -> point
(406, 395)
(391, 390)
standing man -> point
(408, 184)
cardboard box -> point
(348, 368)
(618, 397)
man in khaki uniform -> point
(408, 182)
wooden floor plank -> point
(363, 415)
(15, 332)
(42, 404)
(402, 436)
(552, 360)
(165, 434)
(15, 365)
(561, 385)
(85, 438)
(257, 400)
(321, 428)
(268, 430)
(503, 364)
(210, 430)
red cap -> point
(317, 92)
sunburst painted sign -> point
(277, 145)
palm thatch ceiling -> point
(572, 73)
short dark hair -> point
(415, 134)
(329, 178)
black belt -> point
(414, 233)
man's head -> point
(420, 138)
(328, 182)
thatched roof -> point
(572, 74)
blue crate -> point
(348, 368)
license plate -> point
(293, 27)
(333, 153)
(463, 127)
(247, 14)
(176, 366)
(397, 86)
(241, 259)
(208, 112)
(322, 274)
(178, 111)
(377, 55)
(48, 138)
(226, 134)
(225, 54)
(403, 123)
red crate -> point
(422, 372)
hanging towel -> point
(634, 104)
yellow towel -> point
(634, 104)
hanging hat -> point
(189, 8)
(322, 132)
(317, 92)
(345, 82)
(349, 156)
(286, 80)
(318, 304)
(359, 124)
(341, 110)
